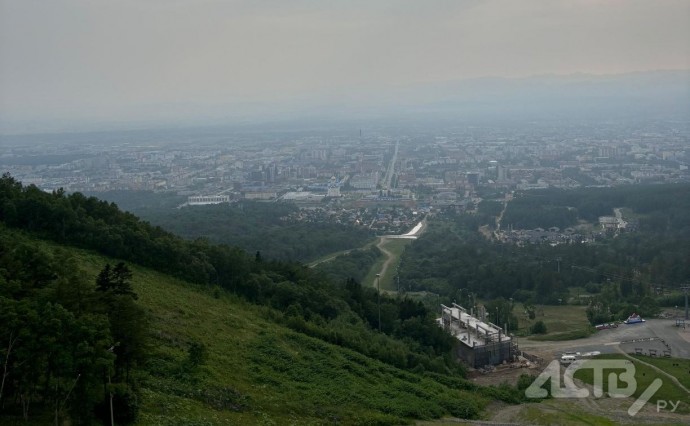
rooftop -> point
(470, 330)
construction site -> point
(482, 343)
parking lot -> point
(651, 337)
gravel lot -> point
(652, 334)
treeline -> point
(353, 265)
(342, 314)
(256, 226)
(490, 208)
(93, 224)
(522, 214)
(409, 337)
(615, 301)
(69, 343)
(449, 260)
(664, 207)
(140, 202)
(452, 259)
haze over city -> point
(344, 212)
(77, 64)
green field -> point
(564, 322)
(678, 368)
(645, 375)
(559, 412)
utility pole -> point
(110, 386)
(378, 293)
(112, 414)
(686, 290)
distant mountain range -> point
(661, 94)
(642, 95)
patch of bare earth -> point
(502, 375)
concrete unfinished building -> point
(481, 343)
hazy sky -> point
(92, 58)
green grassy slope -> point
(259, 372)
(395, 247)
(213, 356)
(644, 376)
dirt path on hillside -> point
(329, 258)
(390, 257)
(417, 231)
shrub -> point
(538, 328)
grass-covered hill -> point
(253, 369)
(98, 306)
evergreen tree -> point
(116, 280)
(104, 280)
(121, 280)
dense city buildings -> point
(416, 170)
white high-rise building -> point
(333, 188)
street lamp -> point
(112, 414)
(378, 296)
(438, 300)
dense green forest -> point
(69, 344)
(353, 265)
(103, 331)
(616, 276)
(664, 207)
(250, 225)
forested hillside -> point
(65, 337)
(175, 353)
(630, 272)
(95, 325)
(353, 265)
(664, 208)
(251, 225)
